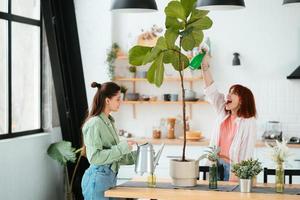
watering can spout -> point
(156, 159)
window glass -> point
(25, 77)
(3, 6)
(3, 78)
(26, 8)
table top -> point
(186, 194)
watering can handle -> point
(158, 155)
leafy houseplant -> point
(246, 170)
(185, 22)
(212, 154)
(63, 152)
(184, 31)
(111, 57)
(279, 154)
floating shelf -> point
(191, 79)
(164, 102)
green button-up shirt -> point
(103, 145)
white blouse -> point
(244, 140)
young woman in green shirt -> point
(105, 152)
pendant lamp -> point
(134, 6)
(220, 4)
(290, 1)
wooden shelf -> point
(164, 102)
(125, 57)
(191, 79)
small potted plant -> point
(279, 154)
(212, 154)
(245, 171)
(132, 70)
(123, 91)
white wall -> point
(94, 29)
(266, 34)
(27, 172)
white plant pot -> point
(184, 174)
(245, 185)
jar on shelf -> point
(156, 133)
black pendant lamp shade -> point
(220, 4)
(290, 1)
(133, 6)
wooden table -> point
(181, 194)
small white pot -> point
(184, 174)
(245, 185)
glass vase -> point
(279, 178)
(151, 180)
(213, 176)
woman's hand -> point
(131, 143)
(205, 60)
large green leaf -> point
(155, 74)
(188, 42)
(168, 55)
(161, 43)
(137, 54)
(175, 61)
(172, 22)
(188, 5)
(151, 73)
(150, 57)
(201, 24)
(197, 14)
(171, 36)
(175, 9)
(62, 152)
(198, 37)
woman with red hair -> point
(235, 128)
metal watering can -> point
(146, 159)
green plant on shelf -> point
(111, 57)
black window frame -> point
(9, 18)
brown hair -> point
(105, 90)
(247, 108)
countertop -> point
(203, 142)
(183, 194)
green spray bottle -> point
(197, 60)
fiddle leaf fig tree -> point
(184, 31)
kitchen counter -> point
(203, 142)
(183, 194)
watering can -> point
(146, 159)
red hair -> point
(247, 108)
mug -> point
(167, 97)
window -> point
(20, 67)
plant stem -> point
(67, 176)
(74, 172)
(183, 102)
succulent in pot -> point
(245, 171)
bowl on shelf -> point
(145, 97)
(193, 135)
(132, 96)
